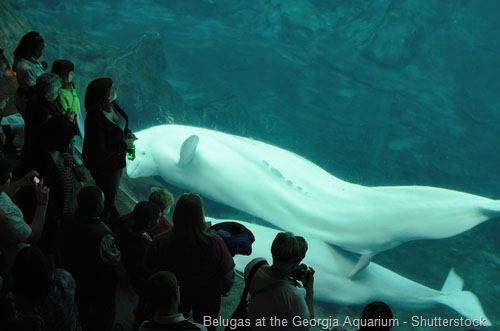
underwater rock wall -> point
(385, 92)
(13, 25)
(139, 68)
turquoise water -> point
(376, 93)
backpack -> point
(237, 237)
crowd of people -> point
(59, 262)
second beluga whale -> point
(296, 195)
(375, 283)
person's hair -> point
(89, 198)
(189, 222)
(5, 171)
(161, 288)
(144, 213)
(287, 248)
(377, 310)
(97, 95)
(62, 68)
(46, 83)
(57, 134)
(33, 274)
(161, 197)
(27, 46)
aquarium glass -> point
(376, 93)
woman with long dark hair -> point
(106, 139)
(28, 67)
(200, 260)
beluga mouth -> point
(132, 167)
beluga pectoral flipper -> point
(363, 262)
(188, 149)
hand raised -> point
(42, 193)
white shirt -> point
(27, 72)
(284, 301)
(14, 231)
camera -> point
(300, 274)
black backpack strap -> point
(243, 300)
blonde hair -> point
(161, 197)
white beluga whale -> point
(375, 283)
(294, 194)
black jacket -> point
(81, 245)
(104, 144)
(38, 111)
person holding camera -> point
(275, 289)
(15, 230)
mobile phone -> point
(36, 180)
